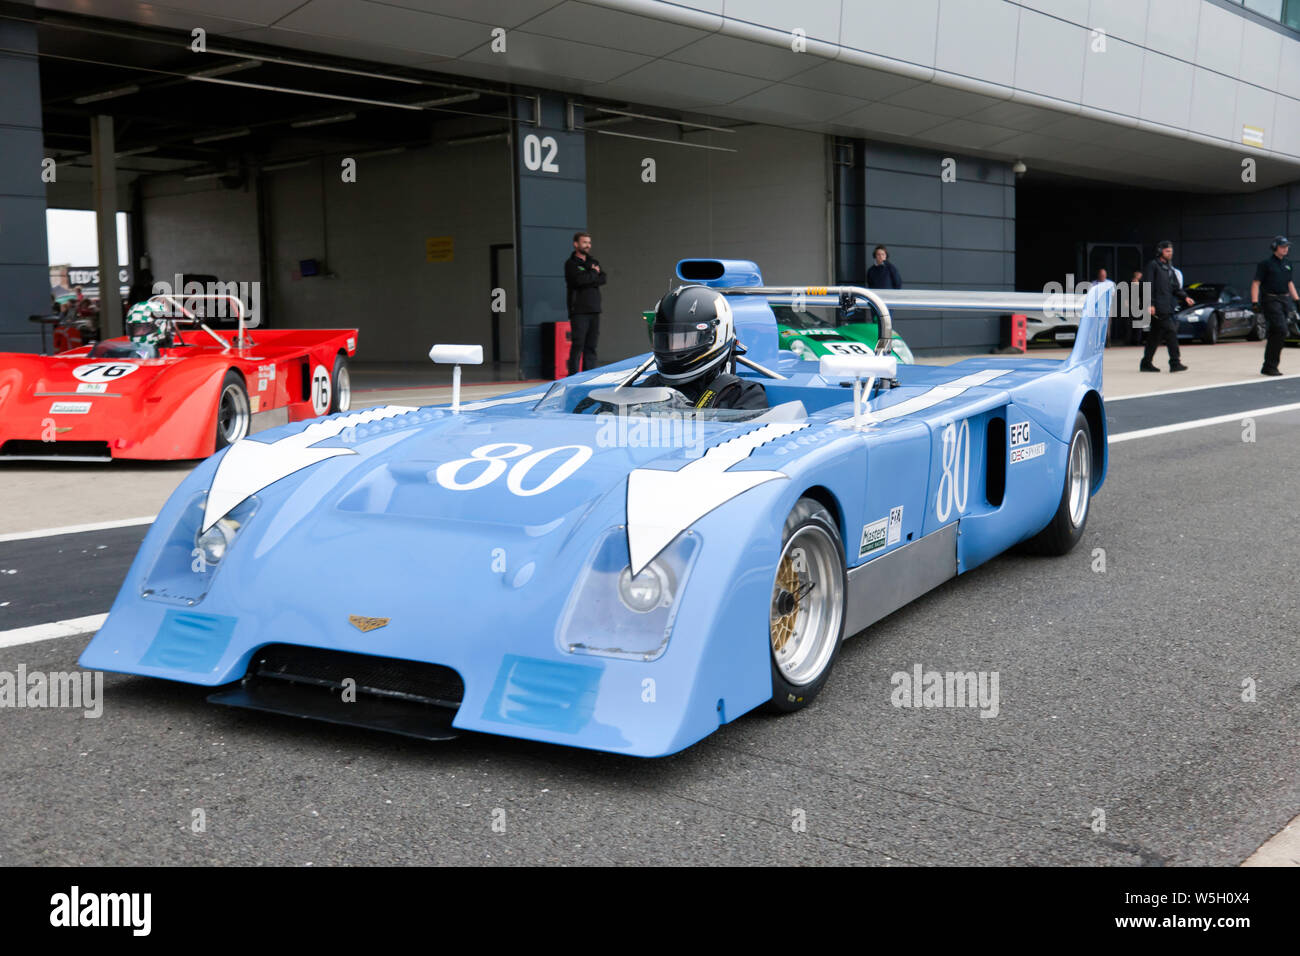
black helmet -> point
(1279, 241)
(694, 333)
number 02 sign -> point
(540, 153)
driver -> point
(147, 325)
(695, 347)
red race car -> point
(172, 389)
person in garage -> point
(1273, 291)
(883, 274)
(583, 277)
(695, 349)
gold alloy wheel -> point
(787, 581)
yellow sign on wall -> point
(439, 249)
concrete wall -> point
(767, 202)
(200, 227)
(24, 272)
(956, 235)
(371, 236)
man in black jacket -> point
(584, 277)
(883, 275)
(1166, 294)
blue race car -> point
(596, 563)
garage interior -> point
(229, 163)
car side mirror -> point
(456, 355)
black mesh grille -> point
(31, 448)
(416, 681)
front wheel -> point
(1211, 334)
(806, 623)
(233, 413)
(1066, 526)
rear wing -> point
(887, 301)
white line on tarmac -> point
(1257, 380)
(47, 632)
(1201, 423)
(76, 528)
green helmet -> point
(146, 324)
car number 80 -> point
(494, 457)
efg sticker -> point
(1028, 452)
(1019, 434)
(70, 408)
(873, 536)
(895, 525)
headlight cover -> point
(903, 352)
(612, 614)
(1197, 315)
(183, 571)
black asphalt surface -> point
(1151, 411)
(1121, 692)
(63, 576)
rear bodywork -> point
(73, 406)
(463, 567)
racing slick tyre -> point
(233, 413)
(1259, 331)
(1066, 527)
(807, 613)
(1211, 334)
(341, 380)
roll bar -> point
(241, 313)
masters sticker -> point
(1028, 452)
(895, 525)
(1019, 433)
(873, 537)
(70, 408)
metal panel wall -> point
(24, 267)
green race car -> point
(816, 330)
(812, 331)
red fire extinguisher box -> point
(556, 342)
(1015, 332)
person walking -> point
(1166, 293)
(883, 275)
(583, 277)
(1273, 290)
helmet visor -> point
(682, 338)
(141, 329)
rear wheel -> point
(233, 414)
(342, 382)
(1066, 527)
(1259, 331)
(806, 623)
